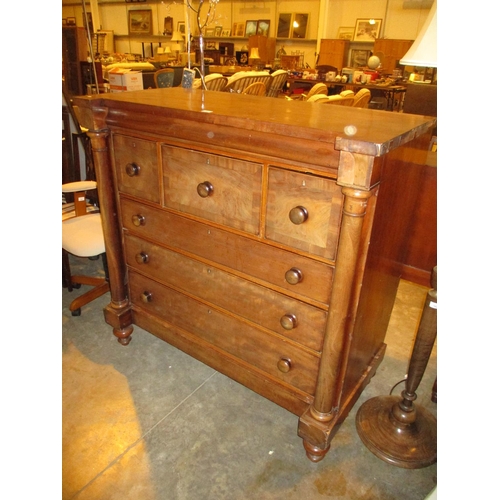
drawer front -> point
(292, 273)
(264, 351)
(136, 164)
(304, 212)
(291, 318)
(217, 188)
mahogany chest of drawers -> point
(256, 235)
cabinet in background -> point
(74, 50)
(392, 50)
(333, 53)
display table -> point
(256, 235)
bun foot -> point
(315, 454)
(124, 336)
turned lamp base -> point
(410, 446)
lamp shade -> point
(254, 53)
(423, 52)
(177, 37)
(167, 50)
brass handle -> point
(284, 365)
(132, 169)
(298, 215)
(138, 220)
(142, 258)
(293, 276)
(289, 321)
(205, 189)
(146, 297)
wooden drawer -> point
(277, 312)
(236, 253)
(315, 203)
(217, 188)
(136, 164)
(262, 350)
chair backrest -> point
(215, 81)
(278, 80)
(164, 78)
(362, 98)
(318, 88)
(241, 80)
(318, 98)
(257, 88)
(340, 100)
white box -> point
(121, 80)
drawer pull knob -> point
(205, 189)
(293, 276)
(298, 215)
(138, 220)
(289, 321)
(132, 169)
(142, 258)
(284, 365)
(146, 297)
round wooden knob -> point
(138, 220)
(293, 276)
(146, 297)
(284, 365)
(205, 189)
(142, 258)
(288, 321)
(132, 169)
(298, 215)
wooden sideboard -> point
(259, 235)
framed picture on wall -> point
(181, 27)
(140, 22)
(367, 30)
(263, 27)
(218, 30)
(346, 33)
(284, 24)
(226, 33)
(251, 28)
(168, 26)
(299, 25)
(359, 58)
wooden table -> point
(393, 94)
(261, 236)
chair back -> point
(257, 88)
(340, 100)
(362, 99)
(318, 98)
(241, 80)
(278, 80)
(215, 81)
(164, 78)
(318, 88)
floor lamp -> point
(394, 428)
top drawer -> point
(136, 164)
(216, 188)
(304, 212)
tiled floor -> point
(147, 421)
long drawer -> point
(280, 358)
(296, 274)
(289, 317)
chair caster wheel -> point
(76, 312)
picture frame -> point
(71, 21)
(211, 46)
(140, 22)
(181, 27)
(263, 26)
(367, 30)
(359, 58)
(284, 25)
(218, 30)
(209, 31)
(299, 26)
(168, 26)
(240, 29)
(226, 33)
(346, 33)
(251, 28)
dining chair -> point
(164, 78)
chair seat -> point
(82, 236)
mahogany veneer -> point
(257, 236)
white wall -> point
(397, 22)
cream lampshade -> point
(254, 53)
(177, 37)
(423, 52)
